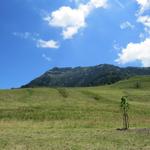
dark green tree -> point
(124, 108)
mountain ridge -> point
(86, 76)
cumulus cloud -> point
(73, 19)
(47, 44)
(144, 5)
(126, 25)
(136, 52)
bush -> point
(63, 92)
(137, 85)
(92, 95)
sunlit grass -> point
(74, 118)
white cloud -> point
(136, 52)
(145, 20)
(47, 44)
(35, 37)
(46, 57)
(71, 20)
(144, 5)
(126, 25)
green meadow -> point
(76, 118)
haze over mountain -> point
(86, 76)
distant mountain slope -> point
(137, 82)
(86, 76)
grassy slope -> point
(75, 118)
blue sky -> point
(37, 35)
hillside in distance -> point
(86, 76)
